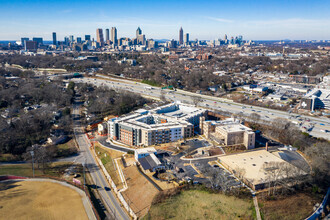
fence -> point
(114, 187)
(318, 212)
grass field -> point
(39, 200)
(198, 204)
(297, 206)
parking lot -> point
(186, 169)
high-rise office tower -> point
(66, 40)
(138, 32)
(107, 35)
(79, 40)
(186, 38)
(31, 45)
(181, 36)
(87, 37)
(71, 38)
(23, 40)
(225, 38)
(99, 36)
(54, 38)
(39, 40)
(114, 35)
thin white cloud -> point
(220, 20)
(290, 22)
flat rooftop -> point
(149, 150)
(235, 127)
(252, 162)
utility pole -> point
(32, 154)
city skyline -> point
(271, 20)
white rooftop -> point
(149, 150)
(252, 162)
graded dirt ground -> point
(198, 204)
(140, 192)
(297, 206)
(39, 200)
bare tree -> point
(216, 179)
(162, 96)
(255, 117)
(283, 176)
(42, 155)
(196, 100)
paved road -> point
(115, 147)
(320, 123)
(111, 203)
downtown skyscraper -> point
(114, 35)
(107, 36)
(181, 36)
(99, 36)
(54, 38)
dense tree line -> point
(29, 109)
(317, 150)
(102, 101)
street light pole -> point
(32, 154)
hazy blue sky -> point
(208, 19)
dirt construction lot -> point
(140, 192)
(39, 200)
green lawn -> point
(198, 204)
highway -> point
(109, 200)
(317, 125)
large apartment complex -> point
(228, 132)
(163, 124)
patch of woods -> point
(102, 101)
(49, 61)
(30, 108)
(192, 75)
(316, 150)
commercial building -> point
(99, 36)
(23, 40)
(319, 97)
(160, 125)
(253, 162)
(228, 132)
(87, 37)
(138, 32)
(181, 36)
(114, 35)
(255, 88)
(31, 45)
(54, 38)
(107, 36)
(147, 158)
(186, 39)
(71, 38)
(39, 40)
